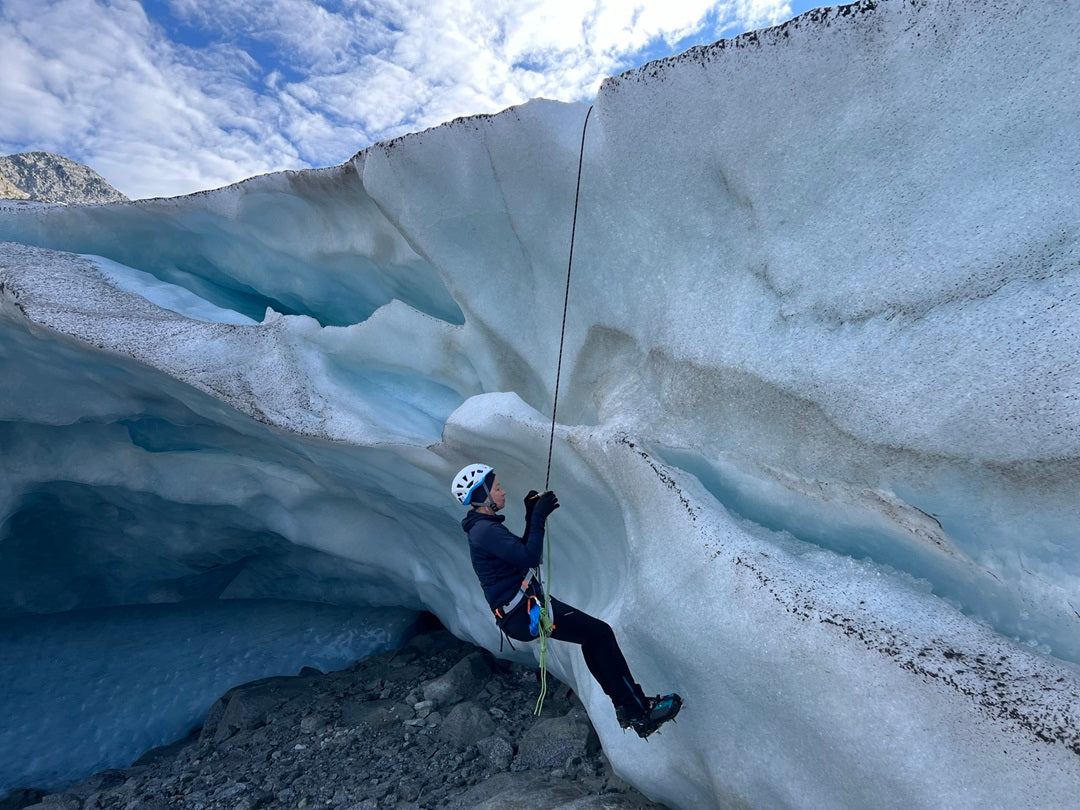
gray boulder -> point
(467, 723)
(462, 680)
(551, 742)
(248, 706)
(496, 752)
(521, 791)
(535, 790)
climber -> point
(508, 569)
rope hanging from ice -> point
(545, 611)
(566, 298)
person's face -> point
(498, 494)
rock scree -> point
(438, 723)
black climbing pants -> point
(598, 644)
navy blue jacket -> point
(500, 558)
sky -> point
(167, 97)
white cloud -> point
(97, 82)
(289, 83)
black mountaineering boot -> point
(660, 709)
(626, 715)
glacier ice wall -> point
(818, 429)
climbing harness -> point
(504, 611)
(544, 623)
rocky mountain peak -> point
(47, 177)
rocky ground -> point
(436, 724)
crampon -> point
(658, 711)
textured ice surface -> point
(167, 296)
(95, 689)
(818, 426)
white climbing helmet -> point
(467, 480)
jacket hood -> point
(474, 517)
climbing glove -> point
(545, 505)
(530, 503)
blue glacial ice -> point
(818, 434)
(122, 680)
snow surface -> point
(818, 430)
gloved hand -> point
(530, 503)
(545, 505)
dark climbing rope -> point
(545, 611)
(566, 300)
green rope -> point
(545, 610)
(545, 628)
